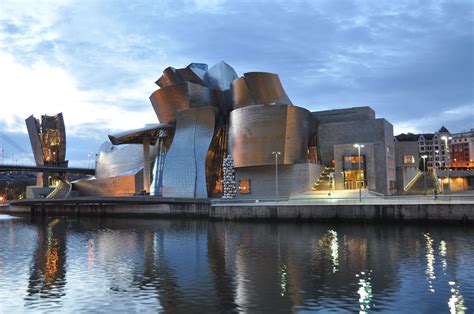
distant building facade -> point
(457, 155)
(462, 150)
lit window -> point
(244, 186)
(408, 159)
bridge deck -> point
(31, 168)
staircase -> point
(62, 190)
(325, 179)
(417, 185)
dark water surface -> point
(194, 266)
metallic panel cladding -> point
(113, 161)
(257, 131)
(168, 100)
(136, 136)
(258, 88)
(241, 94)
(184, 172)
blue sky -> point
(96, 61)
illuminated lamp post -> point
(276, 172)
(445, 138)
(358, 146)
(424, 170)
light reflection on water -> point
(102, 265)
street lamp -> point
(90, 161)
(358, 146)
(446, 156)
(276, 172)
(424, 170)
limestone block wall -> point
(292, 179)
(405, 172)
(114, 186)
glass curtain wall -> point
(353, 177)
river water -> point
(66, 264)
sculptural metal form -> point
(205, 114)
(197, 100)
(216, 113)
(48, 142)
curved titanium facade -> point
(184, 172)
(257, 131)
(168, 100)
(113, 161)
(258, 88)
(241, 94)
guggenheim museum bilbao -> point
(208, 115)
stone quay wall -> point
(461, 213)
(453, 212)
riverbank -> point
(458, 213)
(375, 209)
(113, 206)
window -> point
(391, 172)
(352, 162)
(392, 185)
(409, 159)
(244, 186)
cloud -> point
(97, 60)
(44, 89)
(432, 121)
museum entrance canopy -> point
(152, 131)
(146, 136)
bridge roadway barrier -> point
(52, 169)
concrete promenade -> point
(346, 205)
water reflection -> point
(200, 266)
(443, 253)
(47, 277)
(430, 260)
(329, 247)
(456, 301)
(365, 291)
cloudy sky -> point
(96, 61)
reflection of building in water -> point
(329, 247)
(216, 253)
(169, 261)
(47, 277)
(326, 271)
